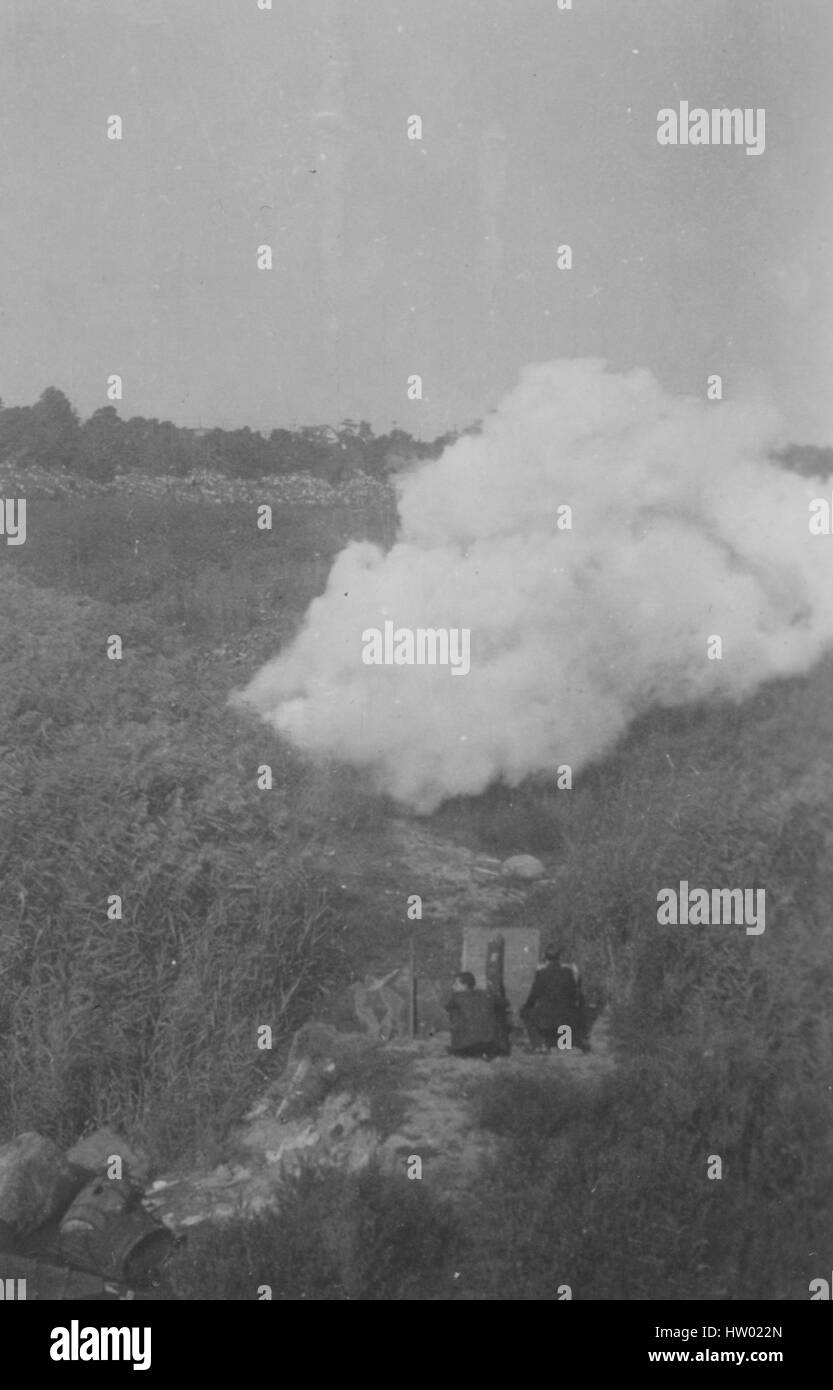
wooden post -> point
(494, 966)
(412, 992)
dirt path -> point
(441, 1123)
(435, 1098)
(404, 1098)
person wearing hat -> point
(554, 1001)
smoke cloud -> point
(682, 530)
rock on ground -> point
(522, 866)
(35, 1182)
(94, 1152)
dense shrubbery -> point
(606, 1189)
(337, 1237)
(49, 434)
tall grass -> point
(131, 778)
(337, 1237)
(724, 1040)
(149, 1020)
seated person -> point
(478, 1020)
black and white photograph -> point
(416, 661)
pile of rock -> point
(72, 1224)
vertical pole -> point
(412, 994)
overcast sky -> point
(392, 257)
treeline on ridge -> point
(51, 435)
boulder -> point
(522, 866)
(35, 1182)
(94, 1152)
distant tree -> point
(158, 447)
(245, 453)
(212, 451)
(282, 452)
(317, 451)
(138, 434)
(15, 426)
(50, 433)
(353, 429)
(174, 452)
(102, 444)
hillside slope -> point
(243, 907)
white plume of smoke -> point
(681, 530)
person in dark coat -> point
(554, 1001)
(478, 1024)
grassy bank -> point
(133, 778)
